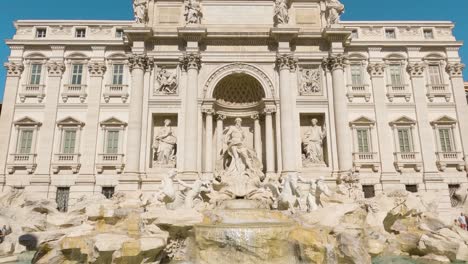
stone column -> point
(285, 64)
(46, 135)
(335, 64)
(257, 136)
(426, 137)
(88, 157)
(384, 144)
(139, 63)
(14, 71)
(191, 62)
(269, 141)
(219, 133)
(455, 70)
(209, 140)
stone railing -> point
(26, 161)
(398, 91)
(71, 161)
(358, 91)
(74, 90)
(445, 159)
(438, 90)
(116, 90)
(32, 90)
(113, 161)
(366, 159)
(407, 159)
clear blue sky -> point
(453, 10)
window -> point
(77, 74)
(63, 194)
(390, 33)
(411, 188)
(119, 33)
(435, 75)
(404, 138)
(80, 33)
(369, 191)
(117, 78)
(36, 72)
(454, 198)
(428, 34)
(445, 136)
(112, 144)
(395, 75)
(108, 192)
(41, 33)
(69, 142)
(363, 140)
(25, 141)
(356, 75)
(354, 34)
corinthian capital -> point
(286, 61)
(335, 62)
(376, 69)
(55, 68)
(455, 69)
(416, 69)
(190, 60)
(140, 61)
(97, 69)
(14, 69)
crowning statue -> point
(193, 13)
(140, 10)
(334, 10)
(310, 82)
(281, 12)
(164, 146)
(167, 82)
(313, 144)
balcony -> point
(74, 90)
(398, 91)
(445, 159)
(116, 90)
(438, 90)
(22, 161)
(66, 161)
(407, 159)
(110, 161)
(358, 91)
(32, 90)
(366, 160)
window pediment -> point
(113, 122)
(362, 121)
(27, 121)
(444, 120)
(70, 121)
(402, 121)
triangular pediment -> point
(113, 122)
(27, 121)
(404, 120)
(70, 121)
(444, 120)
(362, 121)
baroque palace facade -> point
(104, 106)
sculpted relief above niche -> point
(166, 81)
(310, 81)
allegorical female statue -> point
(140, 10)
(281, 12)
(164, 146)
(312, 143)
(334, 10)
(193, 12)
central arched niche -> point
(239, 89)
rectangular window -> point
(117, 77)
(108, 192)
(77, 74)
(363, 140)
(390, 34)
(395, 75)
(412, 188)
(445, 140)
(41, 32)
(356, 75)
(80, 33)
(36, 72)
(354, 34)
(454, 200)
(404, 137)
(25, 141)
(63, 194)
(428, 34)
(119, 33)
(369, 191)
(434, 74)
(112, 146)
(69, 141)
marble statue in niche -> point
(310, 82)
(312, 144)
(193, 13)
(164, 146)
(334, 10)
(281, 12)
(167, 82)
(140, 11)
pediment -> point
(27, 121)
(70, 121)
(404, 120)
(362, 121)
(113, 122)
(444, 120)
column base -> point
(207, 176)
(40, 179)
(190, 175)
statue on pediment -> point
(334, 10)
(193, 12)
(140, 10)
(281, 12)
